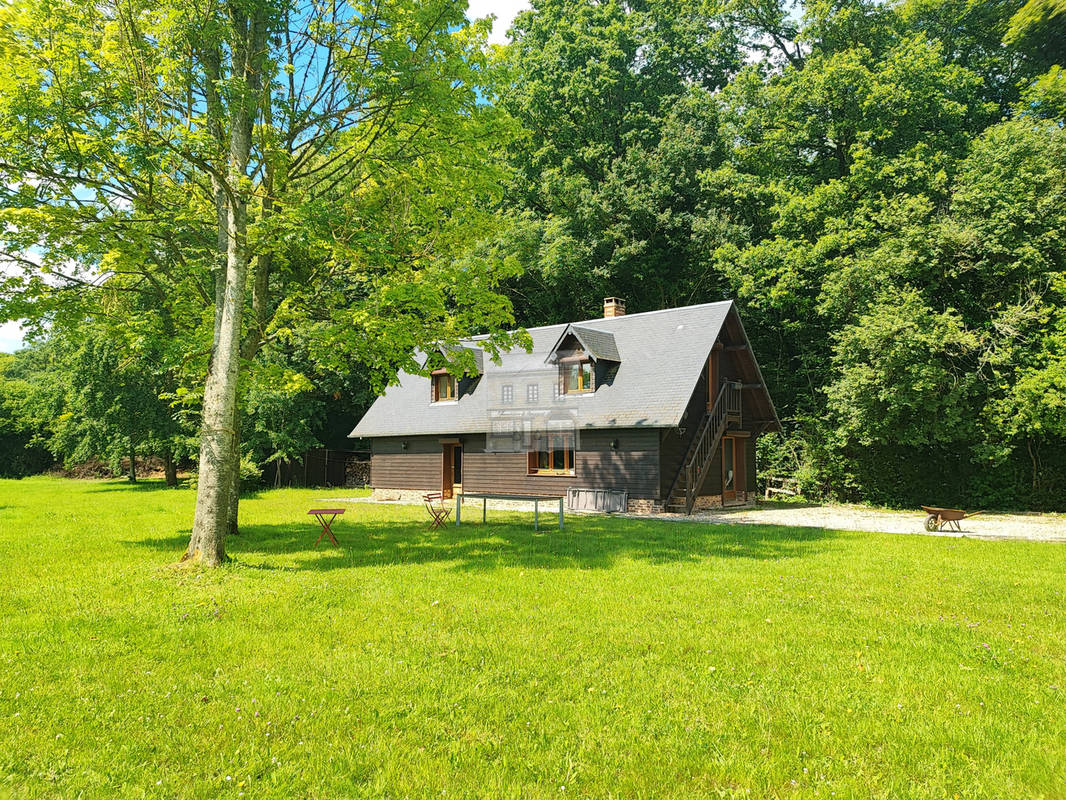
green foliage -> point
(905, 375)
(112, 407)
(375, 164)
(620, 115)
(85, 398)
(1046, 97)
(1033, 16)
(20, 430)
(878, 191)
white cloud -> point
(505, 11)
(11, 332)
(10, 337)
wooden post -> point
(740, 456)
(713, 374)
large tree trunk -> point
(133, 465)
(256, 330)
(219, 440)
(217, 436)
(170, 469)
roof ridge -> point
(630, 316)
(586, 322)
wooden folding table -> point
(320, 514)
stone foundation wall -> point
(708, 501)
(705, 502)
(637, 505)
(415, 496)
(399, 495)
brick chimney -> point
(614, 307)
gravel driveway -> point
(1035, 527)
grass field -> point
(618, 659)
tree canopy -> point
(878, 185)
(227, 176)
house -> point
(663, 405)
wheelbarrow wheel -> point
(931, 523)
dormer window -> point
(580, 352)
(444, 387)
(577, 376)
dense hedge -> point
(18, 458)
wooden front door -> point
(729, 469)
(452, 470)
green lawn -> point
(618, 659)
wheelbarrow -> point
(939, 518)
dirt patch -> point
(95, 469)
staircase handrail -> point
(725, 405)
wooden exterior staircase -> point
(726, 411)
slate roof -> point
(479, 355)
(598, 344)
(660, 353)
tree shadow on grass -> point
(585, 543)
(123, 485)
(782, 504)
(151, 485)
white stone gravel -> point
(1034, 527)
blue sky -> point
(504, 10)
(10, 337)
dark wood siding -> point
(505, 473)
(633, 466)
(406, 471)
(674, 444)
(419, 466)
(712, 483)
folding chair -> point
(437, 510)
